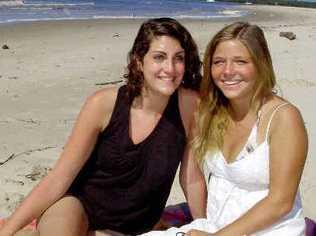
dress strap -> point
(272, 115)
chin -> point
(168, 92)
(162, 88)
(168, 89)
(230, 96)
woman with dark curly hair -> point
(117, 168)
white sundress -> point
(236, 187)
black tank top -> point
(123, 186)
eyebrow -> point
(234, 57)
(241, 57)
(163, 52)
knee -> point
(65, 214)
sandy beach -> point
(51, 67)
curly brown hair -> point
(150, 30)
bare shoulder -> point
(286, 111)
(189, 93)
(188, 97)
(188, 104)
(101, 104)
(286, 117)
(104, 98)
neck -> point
(151, 102)
(241, 109)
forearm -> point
(259, 217)
(196, 195)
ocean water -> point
(34, 10)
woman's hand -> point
(4, 230)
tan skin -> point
(288, 149)
(192, 180)
(47, 197)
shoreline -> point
(242, 11)
(10, 3)
(52, 66)
(255, 13)
(302, 4)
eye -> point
(179, 58)
(218, 62)
(158, 57)
(241, 62)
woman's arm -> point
(288, 150)
(193, 184)
(93, 117)
(191, 177)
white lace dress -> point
(236, 187)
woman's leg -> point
(27, 232)
(66, 217)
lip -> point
(231, 82)
(167, 79)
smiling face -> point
(233, 70)
(163, 66)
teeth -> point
(231, 82)
(166, 78)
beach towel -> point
(310, 227)
(174, 216)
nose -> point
(229, 69)
(169, 66)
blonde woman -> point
(251, 143)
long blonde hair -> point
(213, 116)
